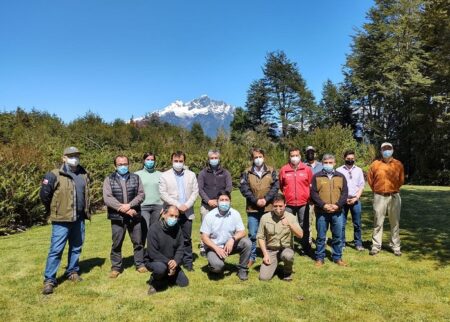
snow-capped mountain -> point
(211, 114)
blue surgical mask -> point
(122, 169)
(214, 162)
(387, 153)
(171, 221)
(328, 168)
(224, 206)
(149, 164)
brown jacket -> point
(329, 191)
(386, 177)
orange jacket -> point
(386, 177)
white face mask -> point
(177, 166)
(73, 162)
(295, 160)
(259, 161)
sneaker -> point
(74, 277)
(397, 252)
(142, 269)
(243, 274)
(340, 262)
(360, 248)
(287, 277)
(151, 290)
(114, 274)
(318, 263)
(374, 251)
(48, 288)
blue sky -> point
(123, 58)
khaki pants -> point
(392, 205)
(286, 255)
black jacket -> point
(210, 183)
(165, 244)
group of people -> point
(157, 210)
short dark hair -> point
(224, 193)
(348, 152)
(295, 149)
(279, 197)
(120, 156)
(178, 154)
(148, 154)
(259, 150)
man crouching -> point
(165, 251)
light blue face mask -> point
(387, 153)
(122, 169)
(149, 164)
(328, 168)
(214, 162)
(224, 206)
(171, 221)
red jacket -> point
(295, 183)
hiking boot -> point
(287, 277)
(374, 251)
(151, 290)
(340, 262)
(318, 263)
(114, 274)
(397, 252)
(74, 277)
(243, 274)
(48, 288)
(142, 269)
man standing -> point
(65, 195)
(223, 234)
(152, 205)
(385, 178)
(295, 181)
(178, 187)
(329, 194)
(259, 185)
(275, 238)
(212, 179)
(355, 185)
(123, 193)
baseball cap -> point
(310, 148)
(71, 150)
(386, 144)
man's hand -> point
(334, 208)
(229, 246)
(285, 222)
(261, 202)
(172, 264)
(266, 259)
(212, 203)
(183, 208)
(124, 207)
(221, 253)
(327, 207)
(131, 212)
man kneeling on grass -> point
(165, 251)
(275, 238)
(223, 234)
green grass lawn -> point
(413, 287)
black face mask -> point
(349, 162)
(310, 156)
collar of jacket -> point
(63, 170)
(300, 166)
(265, 168)
(210, 169)
(324, 174)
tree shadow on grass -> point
(424, 224)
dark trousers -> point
(302, 213)
(119, 228)
(151, 214)
(243, 247)
(160, 278)
(186, 229)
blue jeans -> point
(253, 224)
(61, 233)
(323, 220)
(355, 210)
